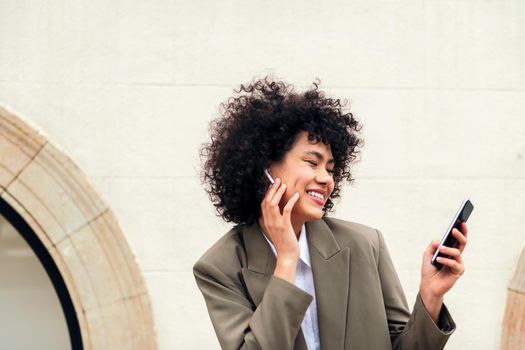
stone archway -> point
(513, 333)
(80, 232)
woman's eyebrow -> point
(318, 156)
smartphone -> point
(462, 215)
(272, 181)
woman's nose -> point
(323, 176)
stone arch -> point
(513, 333)
(80, 232)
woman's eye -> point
(331, 171)
(312, 162)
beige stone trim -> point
(82, 235)
(513, 334)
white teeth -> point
(316, 195)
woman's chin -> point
(314, 215)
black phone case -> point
(450, 241)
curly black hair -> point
(256, 127)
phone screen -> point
(448, 239)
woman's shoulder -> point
(226, 255)
(351, 233)
(348, 226)
(223, 261)
(224, 246)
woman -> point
(287, 276)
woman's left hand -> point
(435, 283)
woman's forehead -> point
(304, 145)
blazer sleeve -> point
(409, 331)
(274, 324)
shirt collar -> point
(304, 253)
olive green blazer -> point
(360, 301)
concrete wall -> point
(127, 88)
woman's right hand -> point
(278, 229)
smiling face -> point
(307, 169)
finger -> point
(266, 202)
(462, 240)
(455, 267)
(273, 206)
(272, 189)
(459, 236)
(464, 228)
(287, 210)
(452, 252)
(278, 195)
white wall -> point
(127, 89)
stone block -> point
(513, 330)
(19, 145)
(29, 219)
(58, 201)
(125, 269)
(97, 262)
(79, 274)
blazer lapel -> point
(261, 264)
(331, 269)
(260, 261)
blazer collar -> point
(321, 238)
(259, 253)
(331, 270)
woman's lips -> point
(318, 201)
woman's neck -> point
(297, 225)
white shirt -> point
(304, 279)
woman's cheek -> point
(288, 194)
(304, 176)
